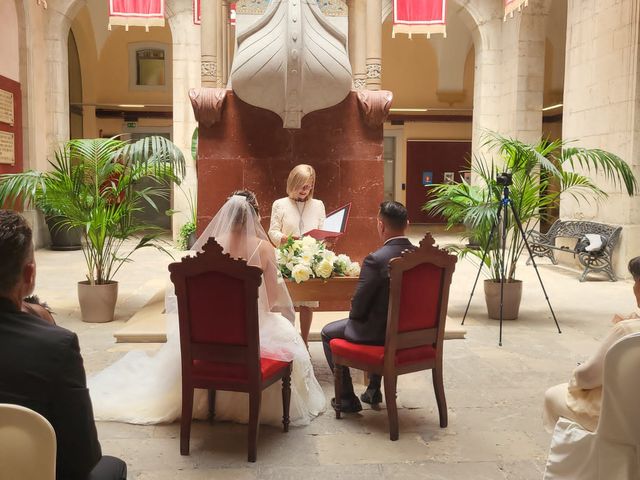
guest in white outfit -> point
(581, 398)
(294, 215)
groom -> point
(367, 322)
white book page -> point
(333, 222)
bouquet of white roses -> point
(300, 260)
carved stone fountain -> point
(290, 101)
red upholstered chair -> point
(418, 298)
(220, 346)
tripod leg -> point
(484, 256)
(502, 270)
(524, 237)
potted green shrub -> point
(533, 168)
(187, 233)
(93, 187)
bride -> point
(144, 389)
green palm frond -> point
(540, 178)
(92, 186)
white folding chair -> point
(27, 445)
(613, 450)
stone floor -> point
(494, 394)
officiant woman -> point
(294, 215)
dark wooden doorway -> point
(432, 159)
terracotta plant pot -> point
(97, 302)
(511, 300)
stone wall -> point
(601, 105)
(250, 149)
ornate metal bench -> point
(544, 244)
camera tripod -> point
(505, 179)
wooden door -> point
(427, 163)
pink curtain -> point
(419, 16)
(512, 5)
(140, 13)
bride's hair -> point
(251, 199)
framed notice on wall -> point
(6, 107)
(10, 126)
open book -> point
(334, 225)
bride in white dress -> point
(146, 389)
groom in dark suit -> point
(367, 322)
(41, 366)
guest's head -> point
(240, 217)
(634, 270)
(17, 268)
(392, 220)
(301, 182)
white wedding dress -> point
(146, 389)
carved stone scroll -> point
(375, 105)
(207, 104)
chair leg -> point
(185, 419)
(390, 383)
(212, 405)
(286, 398)
(254, 423)
(438, 387)
(337, 387)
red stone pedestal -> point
(249, 149)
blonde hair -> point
(300, 175)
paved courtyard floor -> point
(494, 394)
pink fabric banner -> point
(139, 13)
(197, 12)
(419, 16)
(511, 6)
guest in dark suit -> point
(41, 366)
(367, 322)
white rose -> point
(324, 269)
(308, 241)
(329, 256)
(306, 258)
(342, 258)
(353, 270)
(301, 273)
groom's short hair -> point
(15, 248)
(393, 214)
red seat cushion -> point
(374, 354)
(233, 371)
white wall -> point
(10, 58)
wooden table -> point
(316, 289)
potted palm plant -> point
(541, 173)
(93, 185)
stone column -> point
(523, 71)
(219, 20)
(225, 41)
(208, 44)
(374, 44)
(358, 42)
(601, 105)
(187, 73)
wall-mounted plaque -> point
(7, 148)
(6, 107)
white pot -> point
(97, 302)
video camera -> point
(505, 179)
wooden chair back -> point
(218, 311)
(418, 300)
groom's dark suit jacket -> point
(41, 368)
(367, 321)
